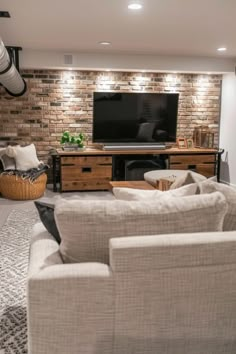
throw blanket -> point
(31, 174)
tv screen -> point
(134, 117)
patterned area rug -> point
(14, 253)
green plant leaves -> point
(77, 139)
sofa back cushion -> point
(85, 227)
(229, 193)
(143, 194)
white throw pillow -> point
(85, 226)
(188, 178)
(142, 194)
(2, 151)
(25, 157)
(8, 163)
(129, 194)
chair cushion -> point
(85, 226)
(153, 176)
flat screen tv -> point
(134, 117)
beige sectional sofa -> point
(135, 277)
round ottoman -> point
(17, 188)
(153, 177)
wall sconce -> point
(10, 78)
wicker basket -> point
(14, 187)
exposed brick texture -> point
(58, 100)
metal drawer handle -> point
(86, 169)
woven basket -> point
(14, 187)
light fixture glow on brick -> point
(105, 43)
(222, 49)
(135, 6)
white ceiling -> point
(162, 27)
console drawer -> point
(191, 159)
(207, 170)
(86, 172)
(93, 184)
(204, 164)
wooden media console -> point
(93, 169)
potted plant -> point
(72, 142)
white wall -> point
(228, 129)
(39, 59)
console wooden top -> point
(172, 151)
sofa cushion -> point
(210, 186)
(85, 227)
(140, 194)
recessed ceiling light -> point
(221, 49)
(105, 43)
(135, 6)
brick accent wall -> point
(58, 100)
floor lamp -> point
(10, 78)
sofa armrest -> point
(172, 251)
(70, 306)
(44, 250)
